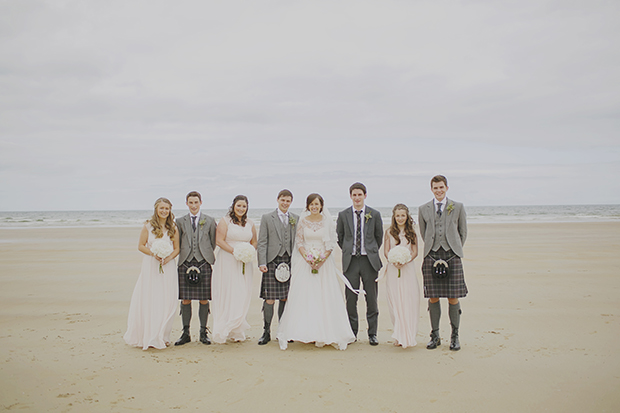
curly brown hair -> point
(154, 221)
(409, 230)
(231, 211)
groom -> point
(276, 241)
(197, 236)
(360, 233)
(443, 226)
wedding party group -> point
(294, 255)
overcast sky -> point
(112, 104)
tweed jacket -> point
(456, 225)
(206, 237)
(270, 236)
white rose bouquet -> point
(399, 255)
(244, 252)
(161, 248)
(315, 256)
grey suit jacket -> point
(456, 228)
(270, 237)
(206, 237)
(373, 236)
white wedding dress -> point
(315, 311)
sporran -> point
(283, 272)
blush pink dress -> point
(154, 302)
(403, 296)
(231, 288)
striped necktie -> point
(358, 234)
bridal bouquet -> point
(244, 252)
(315, 256)
(399, 255)
(161, 248)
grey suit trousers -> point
(361, 269)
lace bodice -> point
(315, 235)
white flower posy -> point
(161, 248)
(244, 252)
(399, 255)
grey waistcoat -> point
(195, 252)
(286, 239)
(440, 232)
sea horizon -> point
(475, 214)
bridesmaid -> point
(154, 301)
(403, 293)
(232, 281)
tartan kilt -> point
(451, 287)
(201, 291)
(270, 288)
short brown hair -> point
(193, 193)
(285, 192)
(357, 185)
(311, 199)
(439, 178)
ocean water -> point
(475, 214)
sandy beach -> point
(540, 331)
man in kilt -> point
(197, 236)
(443, 226)
(276, 240)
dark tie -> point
(194, 223)
(358, 234)
(439, 209)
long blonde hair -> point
(154, 221)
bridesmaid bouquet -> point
(399, 255)
(161, 248)
(315, 256)
(244, 252)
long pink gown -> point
(403, 296)
(231, 289)
(154, 302)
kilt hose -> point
(200, 291)
(450, 287)
(270, 288)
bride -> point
(315, 311)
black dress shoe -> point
(204, 338)
(185, 338)
(266, 338)
(454, 343)
(372, 340)
(435, 341)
